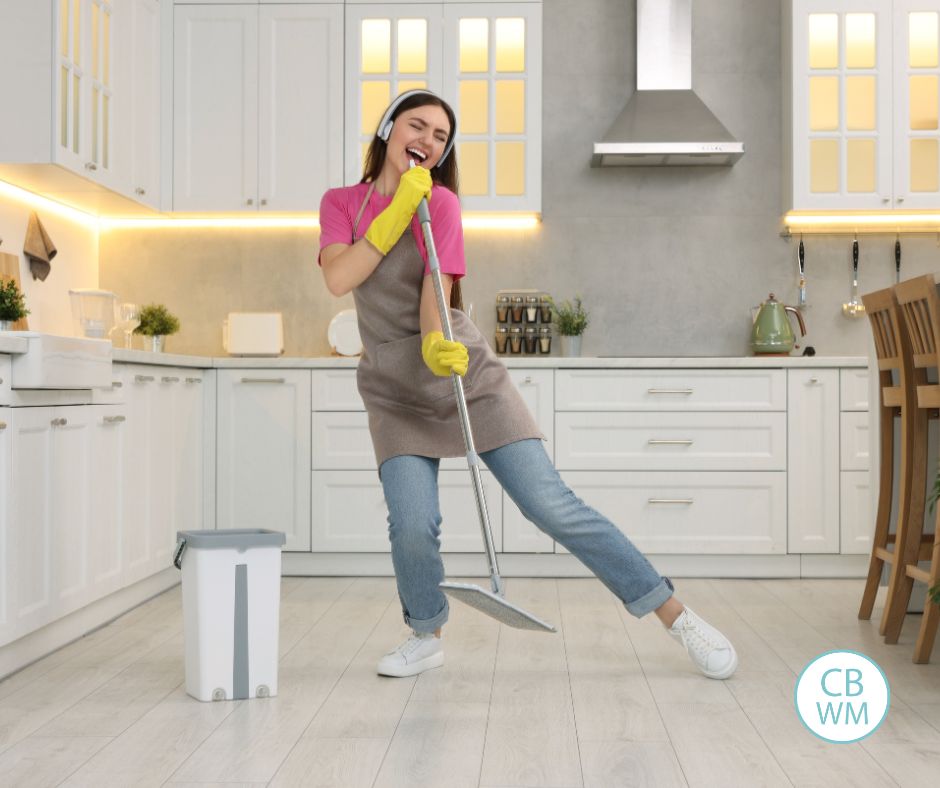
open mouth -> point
(416, 154)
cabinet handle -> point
(116, 384)
(113, 419)
(249, 201)
(143, 378)
(886, 199)
(264, 201)
(900, 199)
(814, 380)
(686, 501)
(90, 165)
(194, 380)
(664, 442)
(669, 391)
(59, 422)
(140, 191)
(3, 425)
(527, 379)
(262, 380)
(167, 379)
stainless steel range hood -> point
(665, 122)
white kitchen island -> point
(718, 467)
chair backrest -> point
(920, 306)
(892, 346)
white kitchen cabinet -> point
(813, 460)
(106, 531)
(6, 392)
(350, 515)
(263, 452)
(138, 385)
(144, 117)
(861, 92)
(483, 58)
(257, 106)
(7, 561)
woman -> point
(371, 244)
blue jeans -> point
(528, 476)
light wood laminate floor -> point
(609, 701)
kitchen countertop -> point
(11, 344)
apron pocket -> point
(401, 364)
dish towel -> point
(38, 248)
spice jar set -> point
(523, 322)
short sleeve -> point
(447, 227)
(335, 221)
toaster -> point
(253, 334)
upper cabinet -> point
(862, 83)
(257, 100)
(485, 59)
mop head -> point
(495, 606)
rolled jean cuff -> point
(652, 600)
(427, 626)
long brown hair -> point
(446, 175)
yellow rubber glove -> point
(442, 356)
(388, 226)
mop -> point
(490, 602)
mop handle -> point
(473, 459)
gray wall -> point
(668, 261)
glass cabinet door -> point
(917, 98)
(492, 73)
(389, 49)
(101, 108)
(70, 31)
(842, 105)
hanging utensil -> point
(897, 259)
(854, 308)
(801, 256)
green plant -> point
(156, 320)
(571, 319)
(932, 500)
(12, 302)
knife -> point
(897, 259)
(802, 258)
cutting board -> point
(10, 269)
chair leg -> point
(931, 617)
(912, 494)
(883, 516)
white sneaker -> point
(711, 651)
(419, 653)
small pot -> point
(571, 346)
(6, 325)
(157, 342)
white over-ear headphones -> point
(385, 125)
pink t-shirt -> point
(339, 207)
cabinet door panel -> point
(301, 118)
(162, 470)
(139, 385)
(6, 491)
(189, 451)
(108, 463)
(857, 520)
(264, 452)
(215, 108)
(144, 66)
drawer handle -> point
(116, 384)
(3, 425)
(194, 380)
(687, 501)
(167, 379)
(262, 380)
(113, 419)
(143, 378)
(527, 379)
(814, 380)
(59, 422)
(670, 442)
(669, 391)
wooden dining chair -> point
(896, 399)
(920, 308)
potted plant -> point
(934, 593)
(12, 304)
(571, 320)
(157, 323)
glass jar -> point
(502, 338)
(531, 339)
(545, 339)
(502, 309)
(515, 339)
(532, 309)
(518, 309)
(545, 309)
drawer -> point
(853, 443)
(116, 393)
(691, 513)
(671, 441)
(670, 389)
(336, 389)
(349, 512)
(6, 368)
(856, 518)
(853, 388)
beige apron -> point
(412, 410)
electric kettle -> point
(772, 332)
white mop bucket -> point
(231, 604)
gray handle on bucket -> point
(178, 555)
(473, 459)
